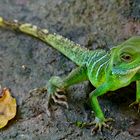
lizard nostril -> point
(114, 64)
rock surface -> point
(27, 63)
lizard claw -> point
(137, 104)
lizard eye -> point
(126, 57)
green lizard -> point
(106, 70)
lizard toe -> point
(59, 101)
(62, 97)
(38, 90)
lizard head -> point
(125, 58)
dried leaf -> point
(7, 107)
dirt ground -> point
(91, 23)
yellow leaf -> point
(3, 121)
(7, 107)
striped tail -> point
(68, 48)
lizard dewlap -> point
(7, 107)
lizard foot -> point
(58, 97)
(136, 104)
(55, 96)
(98, 125)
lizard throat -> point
(124, 72)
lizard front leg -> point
(100, 120)
(137, 102)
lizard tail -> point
(71, 50)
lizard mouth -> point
(124, 71)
